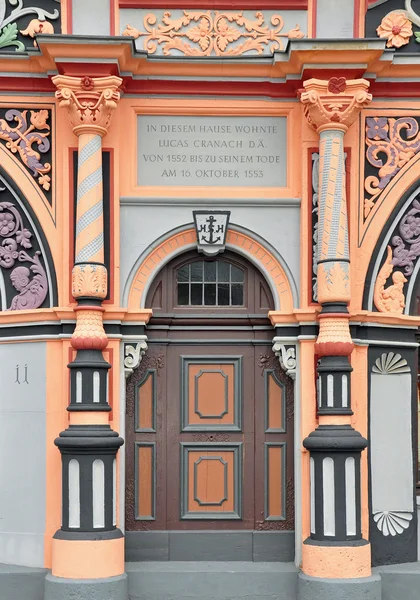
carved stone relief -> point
(212, 33)
(20, 260)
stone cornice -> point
(90, 101)
(334, 104)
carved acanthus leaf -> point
(287, 357)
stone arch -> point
(238, 239)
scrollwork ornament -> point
(390, 145)
(133, 355)
(29, 131)
(8, 22)
(286, 356)
(212, 33)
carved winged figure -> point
(392, 298)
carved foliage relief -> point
(390, 144)
(26, 135)
(23, 279)
(212, 33)
(22, 20)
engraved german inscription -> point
(211, 151)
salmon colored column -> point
(88, 546)
(335, 548)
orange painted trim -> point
(359, 420)
(91, 417)
(66, 17)
(130, 109)
(87, 559)
(312, 6)
(171, 247)
(336, 562)
(113, 17)
(56, 421)
(308, 423)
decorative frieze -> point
(212, 33)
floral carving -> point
(90, 101)
(27, 133)
(396, 28)
(8, 24)
(315, 216)
(206, 33)
(391, 143)
(30, 282)
(389, 299)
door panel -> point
(209, 439)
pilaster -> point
(335, 547)
(89, 446)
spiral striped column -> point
(89, 212)
(88, 549)
(335, 548)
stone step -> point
(400, 582)
(21, 583)
(180, 580)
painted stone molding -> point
(26, 129)
(89, 280)
(392, 522)
(133, 355)
(389, 299)
(30, 281)
(390, 144)
(407, 245)
(90, 101)
(334, 103)
(287, 357)
(390, 364)
(212, 33)
(13, 21)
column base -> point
(112, 588)
(317, 588)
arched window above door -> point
(193, 283)
(210, 283)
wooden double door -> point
(209, 438)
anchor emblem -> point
(211, 228)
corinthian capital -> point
(334, 104)
(90, 101)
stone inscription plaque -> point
(211, 151)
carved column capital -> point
(334, 104)
(90, 101)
